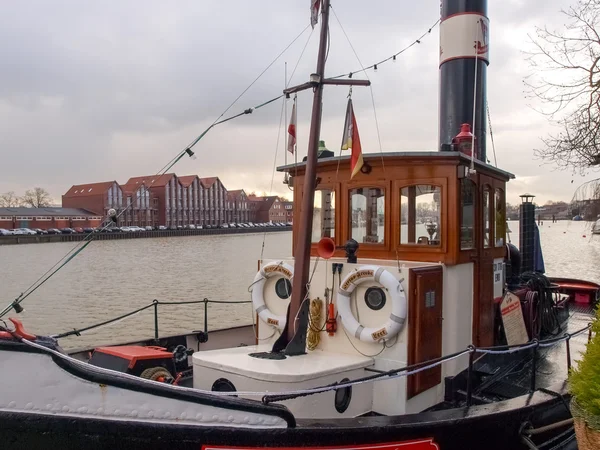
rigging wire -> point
(262, 250)
(188, 150)
(487, 107)
(370, 88)
(89, 238)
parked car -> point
(149, 228)
(27, 231)
(162, 227)
(78, 230)
(40, 231)
(67, 230)
(89, 230)
(4, 232)
(17, 231)
(53, 231)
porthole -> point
(283, 288)
(375, 298)
(343, 397)
(223, 385)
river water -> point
(110, 278)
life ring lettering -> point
(268, 270)
(258, 298)
(355, 276)
(377, 335)
(397, 316)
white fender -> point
(399, 309)
(258, 295)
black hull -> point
(495, 426)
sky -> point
(98, 91)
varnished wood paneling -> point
(425, 327)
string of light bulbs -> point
(393, 57)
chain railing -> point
(268, 397)
(155, 304)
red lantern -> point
(464, 140)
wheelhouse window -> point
(323, 215)
(467, 211)
(367, 215)
(500, 215)
(420, 215)
(486, 216)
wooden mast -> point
(297, 342)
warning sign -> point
(512, 318)
(498, 279)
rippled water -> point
(114, 277)
(110, 278)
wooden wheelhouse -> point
(415, 206)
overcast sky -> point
(97, 91)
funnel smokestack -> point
(464, 36)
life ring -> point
(258, 286)
(399, 309)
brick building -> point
(238, 208)
(289, 211)
(95, 197)
(175, 201)
(268, 209)
(215, 196)
(44, 218)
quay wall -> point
(43, 238)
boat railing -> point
(533, 345)
(155, 305)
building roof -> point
(151, 181)
(186, 180)
(263, 203)
(84, 190)
(129, 189)
(208, 181)
(235, 194)
(23, 211)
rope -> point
(314, 332)
(370, 89)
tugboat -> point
(401, 331)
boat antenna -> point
(294, 340)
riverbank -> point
(45, 238)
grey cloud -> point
(96, 91)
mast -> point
(302, 257)
(297, 341)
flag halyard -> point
(351, 140)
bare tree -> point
(36, 198)
(566, 81)
(9, 199)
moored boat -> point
(390, 327)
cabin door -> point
(425, 326)
(483, 308)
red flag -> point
(351, 140)
(314, 12)
(292, 131)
